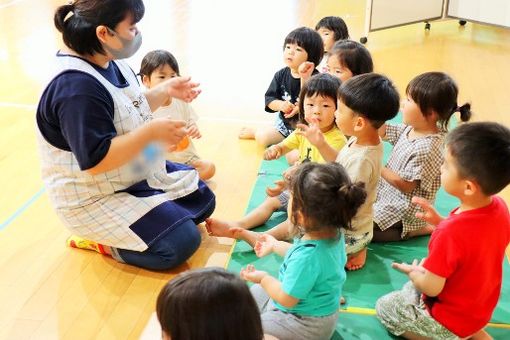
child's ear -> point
(360, 123)
(471, 188)
(146, 81)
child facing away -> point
(208, 303)
(302, 303)
(331, 30)
(454, 291)
(157, 66)
(318, 102)
(413, 168)
(301, 45)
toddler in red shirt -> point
(453, 292)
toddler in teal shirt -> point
(303, 302)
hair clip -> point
(68, 15)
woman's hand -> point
(182, 88)
(167, 130)
(251, 274)
(264, 245)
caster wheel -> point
(363, 40)
(427, 26)
(462, 22)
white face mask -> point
(129, 46)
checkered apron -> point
(94, 207)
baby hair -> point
(156, 59)
(336, 25)
(371, 95)
(437, 92)
(208, 303)
(481, 151)
(322, 84)
(353, 55)
(308, 39)
(325, 196)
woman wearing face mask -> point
(102, 154)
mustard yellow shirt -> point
(334, 138)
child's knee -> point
(273, 203)
(206, 170)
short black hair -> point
(156, 59)
(371, 95)
(325, 196)
(437, 91)
(352, 55)
(481, 151)
(208, 303)
(322, 84)
(308, 39)
(336, 25)
(79, 29)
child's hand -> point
(272, 152)
(167, 130)
(429, 214)
(182, 88)
(292, 113)
(193, 131)
(408, 268)
(277, 189)
(287, 107)
(311, 132)
(251, 274)
(264, 245)
(305, 70)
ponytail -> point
(465, 112)
(351, 196)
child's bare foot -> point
(246, 133)
(427, 230)
(356, 261)
(221, 228)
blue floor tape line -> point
(22, 209)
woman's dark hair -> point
(322, 84)
(481, 151)
(352, 55)
(336, 25)
(156, 59)
(437, 92)
(78, 21)
(208, 304)
(372, 96)
(325, 196)
(308, 39)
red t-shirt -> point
(468, 250)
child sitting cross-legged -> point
(302, 303)
(454, 291)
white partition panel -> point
(495, 12)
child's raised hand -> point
(287, 107)
(182, 88)
(311, 132)
(251, 274)
(305, 70)
(277, 189)
(193, 131)
(264, 245)
(408, 268)
(272, 152)
(429, 214)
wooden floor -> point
(233, 48)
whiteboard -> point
(495, 12)
(390, 13)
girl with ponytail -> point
(303, 302)
(415, 161)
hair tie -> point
(68, 15)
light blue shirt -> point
(313, 272)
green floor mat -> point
(363, 287)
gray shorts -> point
(281, 127)
(287, 326)
(404, 311)
(284, 200)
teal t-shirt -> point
(313, 272)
